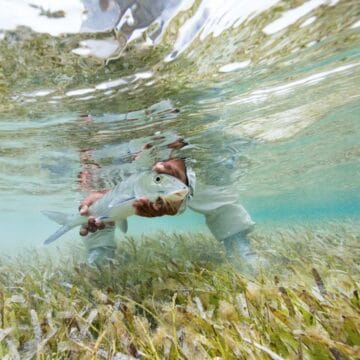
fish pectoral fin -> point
(122, 225)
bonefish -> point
(117, 204)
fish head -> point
(153, 185)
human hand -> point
(92, 224)
(144, 207)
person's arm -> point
(228, 220)
(224, 214)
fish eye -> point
(157, 179)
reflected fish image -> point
(117, 205)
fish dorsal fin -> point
(122, 225)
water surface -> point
(266, 92)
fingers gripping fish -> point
(117, 204)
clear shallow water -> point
(267, 92)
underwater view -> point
(180, 179)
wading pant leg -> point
(231, 224)
(100, 245)
(240, 253)
(238, 245)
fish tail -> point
(57, 234)
(68, 222)
(57, 216)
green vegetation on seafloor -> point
(177, 297)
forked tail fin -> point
(57, 216)
(57, 234)
(67, 222)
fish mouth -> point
(181, 193)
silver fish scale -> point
(123, 191)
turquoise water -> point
(265, 92)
